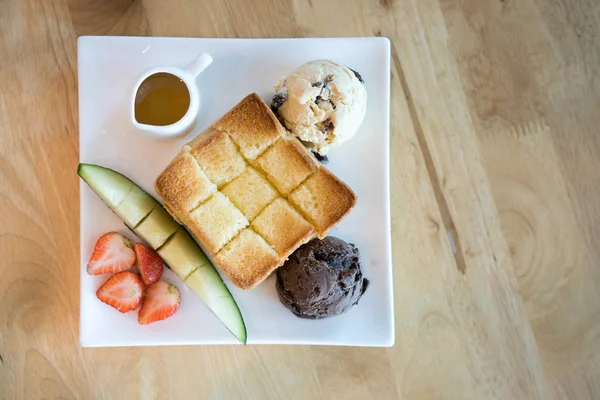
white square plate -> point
(108, 68)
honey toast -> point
(250, 193)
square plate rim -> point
(85, 40)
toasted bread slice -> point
(250, 193)
(217, 155)
(183, 184)
(283, 227)
(324, 200)
(286, 164)
(216, 222)
(248, 259)
(251, 125)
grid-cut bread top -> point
(218, 157)
(183, 185)
(250, 193)
(248, 259)
(283, 227)
(216, 222)
(251, 125)
(323, 199)
(287, 164)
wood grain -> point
(495, 144)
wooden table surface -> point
(495, 141)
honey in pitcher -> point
(162, 99)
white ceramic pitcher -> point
(188, 76)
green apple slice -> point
(180, 255)
(111, 188)
(204, 281)
(150, 221)
(157, 227)
(136, 206)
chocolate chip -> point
(325, 126)
(278, 101)
(365, 285)
(319, 99)
(317, 84)
(320, 158)
(357, 76)
(328, 79)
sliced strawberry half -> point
(162, 300)
(148, 263)
(112, 254)
(123, 291)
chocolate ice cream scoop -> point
(321, 279)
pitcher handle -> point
(199, 64)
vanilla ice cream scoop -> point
(322, 103)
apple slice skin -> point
(122, 195)
(116, 188)
(203, 280)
